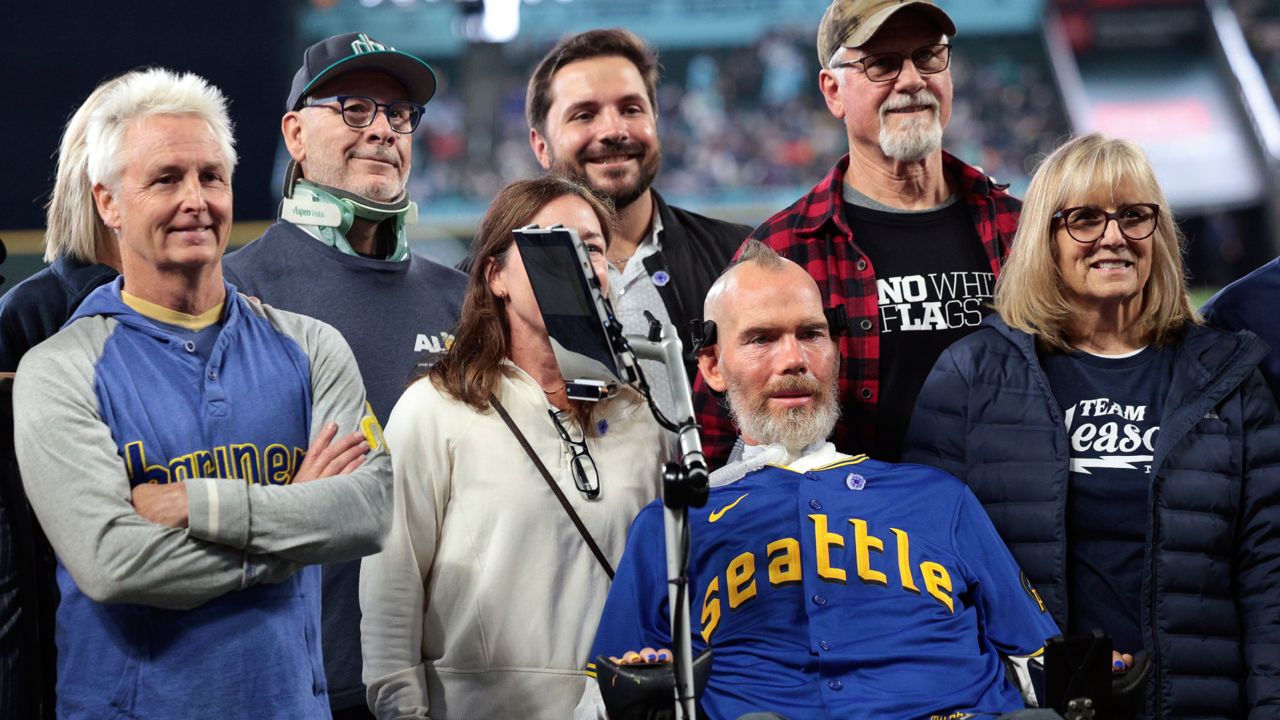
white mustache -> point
(897, 101)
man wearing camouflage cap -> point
(902, 236)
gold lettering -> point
(371, 429)
(938, 582)
(864, 543)
(823, 541)
(741, 579)
(222, 456)
(710, 609)
(245, 462)
(183, 467)
(1026, 585)
(135, 462)
(205, 464)
(785, 567)
(277, 458)
(904, 561)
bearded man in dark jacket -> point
(592, 108)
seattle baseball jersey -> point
(860, 589)
(220, 619)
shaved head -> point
(774, 357)
(753, 253)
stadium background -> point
(744, 130)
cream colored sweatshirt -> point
(485, 600)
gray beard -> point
(794, 428)
(915, 140)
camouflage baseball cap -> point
(850, 23)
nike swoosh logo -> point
(718, 513)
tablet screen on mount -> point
(569, 298)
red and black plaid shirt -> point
(814, 233)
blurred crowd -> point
(970, 432)
(745, 120)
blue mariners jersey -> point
(859, 590)
(244, 413)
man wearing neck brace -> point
(827, 584)
(339, 253)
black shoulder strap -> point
(551, 483)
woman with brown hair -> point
(485, 599)
(1127, 454)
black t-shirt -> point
(935, 285)
(1111, 407)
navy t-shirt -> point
(391, 313)
(1111, 407)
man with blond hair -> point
(190, 453)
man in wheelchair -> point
(829, 585)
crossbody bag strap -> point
(551, 483)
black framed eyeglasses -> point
(1087, 224)
(886, 66)
(359, 111)
(583, 467)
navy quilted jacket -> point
(1211, 606)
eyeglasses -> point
(886, 66)
(359, 111)
(1088, 224)
(585, 475)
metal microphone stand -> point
(684, 485)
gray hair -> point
(760, 254)
(145, 93)
(753, 251)
(72, 225)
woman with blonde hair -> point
(82, 255)
(81, 252)
(1127, 454)
(485, 599)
